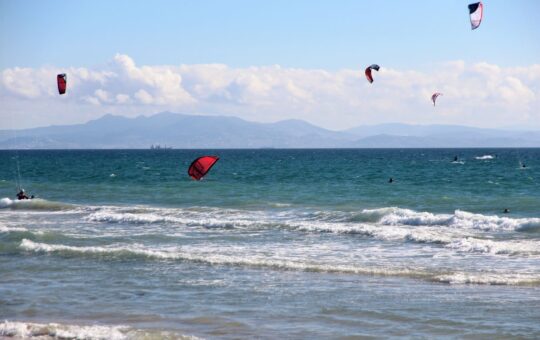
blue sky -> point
(306, 34)
(271, 60)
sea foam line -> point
(6, 229)
(455, 231)
(34, 204)
(390, 216)
(484, 157)
(460, 219)
(27, 330)
(211, 258)
(201, 219)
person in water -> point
(455, 158)
(22, 195)
(506, 210)
(391, 180)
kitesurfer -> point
(455, 159)
(22, 195)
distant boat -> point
(159, 147)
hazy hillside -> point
(190, 131)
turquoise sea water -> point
(272, 243)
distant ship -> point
(159, 147)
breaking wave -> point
(34, 204)
(458, 220)
(391, 216)
(259, 261)
(484, 157)
(27, 330)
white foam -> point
(105, 216)
(6, 229)
(513, 247)
(58, 331)
(211, 219)
(33, 204)
(261, 259)
(211, 257)
(460, 219)
(489, 278)
(5, 202)
(389, 233)
(484, 157)
(493, 223)
(114, 249)
(27, 330)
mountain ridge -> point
(204, 131)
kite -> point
(200, 167)
(435, 96)
(368, 72)
(476, 11)
(62, 83)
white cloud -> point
(102, 95)
(122, 98)
(480, 94)
(144, 97)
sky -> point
(270, 61)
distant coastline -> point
(181, 131)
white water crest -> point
(484, 157)
(6, 229)
(514, 247)
(33, 204)
(300, 259)
(26, 330)
(42, 331)
(458, 220)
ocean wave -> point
(486, 278)
(34, 204)
(388, 233)
(390, 224)
(119, 217)
(460, 219)
(6, 229)
(58, 331)
(27, 330)
(484, 157)
(211, 257)
(450, 239)
(514, 247)
(209, 219)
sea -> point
(271, 244)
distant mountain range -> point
(190, 131)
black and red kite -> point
(200, 167)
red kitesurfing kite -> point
(368, 72)
(434, 97)
(62, 83)
(201, 166)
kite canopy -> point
(476, 12)
(368, 72)
(200, 167)
(62, 83)
(435, 96)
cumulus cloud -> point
(479, 94)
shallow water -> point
(272, 243)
